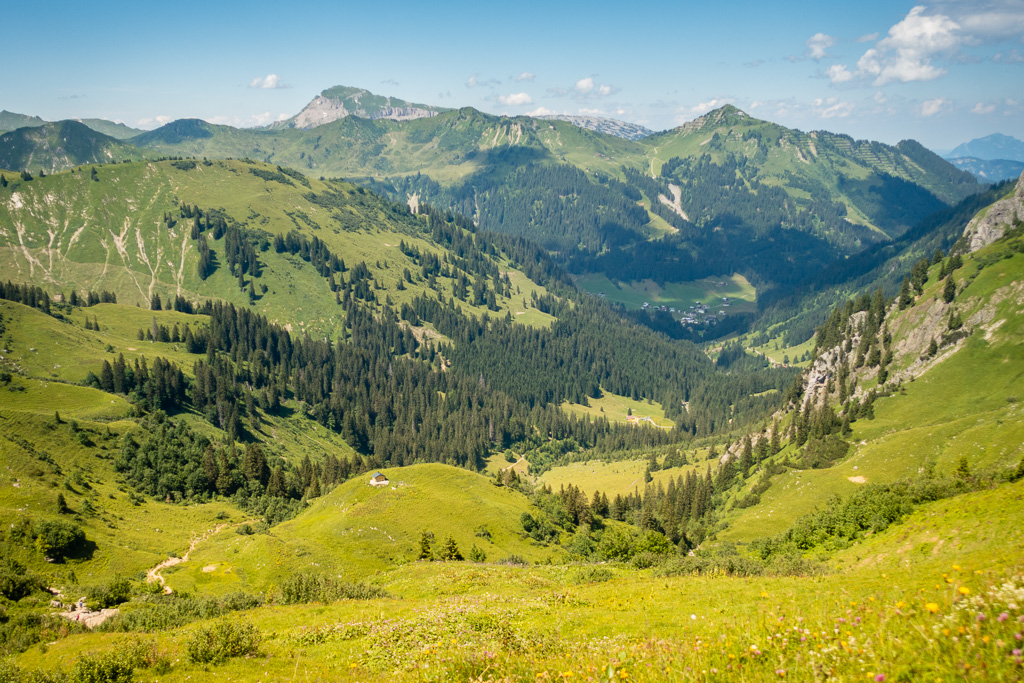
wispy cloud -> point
(268, 82)
(518, 99)
(833, 108)
(982, 108)
(838, 73)
(525, 76)
(868, 37)
(1011, 57)
(475, 81)
(153, 121)
(818, 45)
(540, 111)
(251, 121)
(935, 106)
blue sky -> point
(941, 73)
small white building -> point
(378, 479)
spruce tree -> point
(949, 291)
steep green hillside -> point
(123, 230)
(949, 402)
(58, 146)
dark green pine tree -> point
(949, 290)
(426, 543)
(906, 297)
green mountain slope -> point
(948, 398)
(58, 146)
(10, 121)
(125, 232)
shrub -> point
(57, 539)
(591, 574)
(225, 639)
(319, 587)
(15, 583)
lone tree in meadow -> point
(450, 551)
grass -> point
(869, 616)
(965, 406)
(678, 295)
(111, 235)
(617, 409)
(357, 530)
(616, 477)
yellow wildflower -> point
(932, 607)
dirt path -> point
(154, 575)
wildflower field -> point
(897, 606)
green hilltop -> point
(58, 146)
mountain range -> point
(516, 400)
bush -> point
(225, 639)
(591, 574)
(115, 666)
(58, 539)
(319, 587)
(161, 612)
(107, 595)
(15, 583)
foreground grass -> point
(893, 607)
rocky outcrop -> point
(991, 224)
(324, 110)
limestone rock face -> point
(326, 108)
(991, 224)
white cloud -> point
(515, 99)
(906, 53)
(540, 111)
(604, 90)
(880, 98)
(268, 82)
(525, 76)
(475, 81)
(153, 121)
(705, 107)
(584, 85)
(989, 20)
(684, 113)
(981, 108)
(933, 107)
(838, 73)
(833, 108)
(1011, 57)
(868, 37)
(584, 111)
(818, 45)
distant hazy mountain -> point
(995, 146)
(118, 131)
(990, 170)
(10, 121)
(342, 101)
(622, 129)
(57, 146)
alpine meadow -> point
(391, 391)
